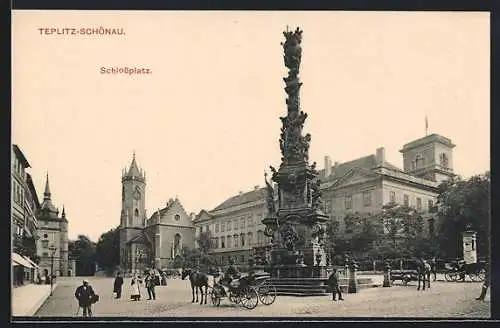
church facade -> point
(153, 241)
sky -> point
(205, 123)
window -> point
(136, 212)
(443, 160)
(235, 225)
(406, 200)
(207, 228)
(229, 226)
(216, 242)
(222, 226)
(328, 207)
(229, 239)
(419, 204)
(430, 205)
(201, 230)
(250, 239)
(431, 226)
(367, 198)
(260, 237)
(413, 165)
(217, 227)
(235, 240)
(45, 244)
(45, 235)
(242, 223)
(242, 238)
(419, 161)
(177, 217)
(392, 196)
(250, 222)
(348, 202)
(222, 242)
(45, 254)
(242, 258)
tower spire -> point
(46, 194)
(63, 215)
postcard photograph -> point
(236, 164)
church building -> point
(154, 241)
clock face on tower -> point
(137, 193)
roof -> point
(47, 202)
(367, 162)
(21, 156)
(134, 171)
(426, 140)
(243, 198)
(32, 190)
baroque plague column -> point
(297, 226)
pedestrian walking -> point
(86, 297)
(333, 283)
(135, 288)
(150, 286)
(486, 284)
(434, 267)
(117, 286)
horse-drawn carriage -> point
(404, 275)
(456, 271)
(247, 290)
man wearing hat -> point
(86, 297)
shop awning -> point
(21, 260)
(30, 262)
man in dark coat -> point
(333, 283)
(486, 284)
(117, 287)
(150, 285)
(85, 296)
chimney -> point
(380, 156)
(328, 166)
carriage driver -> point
(230, 274)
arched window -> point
(136, 212)
(250, 238)
(242, 238)
(177, 244)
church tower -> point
(430, 157)
(133, 211)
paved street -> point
(444, 299)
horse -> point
(423, 273)
(197, 280)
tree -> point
(83, 250)
(205, 242)
(463, 203)
(107, 252)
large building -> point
(362, 185)
(52, 244)
(24, 205)
(154, 241)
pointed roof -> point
(47, 202)
(134, 169)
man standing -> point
(434, 267)
(333, 283)
(117, 288)
(486, 284)
(150, 285)
(85, 296)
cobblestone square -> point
(443, 300)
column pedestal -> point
(353, 279)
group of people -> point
(135, 286)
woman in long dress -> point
(135, 288)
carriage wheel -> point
(481, 274)
(215, 298)
(250, 298)
(474, 277)
(451, 276)
(267, 294)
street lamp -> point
(52, 253)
